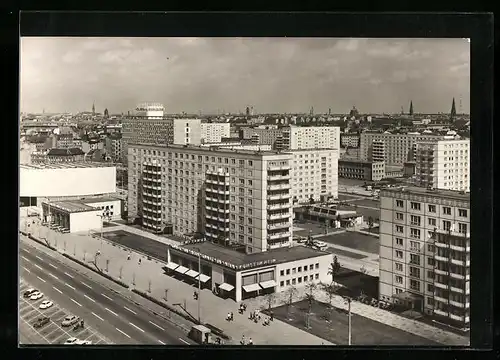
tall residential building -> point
(313, 137)
(425, 251)
(314, 174)
(113, 146)
(214, 132)
(398, 148)
(443, 164)
(377, 151)
(267, 135)
(349, 140)
(228, 195)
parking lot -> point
(53, 332)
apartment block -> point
(113, 146)
(397, 148)
(443, 164)
(425, 251)
(361, 170)
(214, 132)
(230, 196)
(349, 140)
(265, 135)
(314, 174)
(312, 137)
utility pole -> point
(349, 318)
(199, 284)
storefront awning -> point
(181, 269)
(252, 287)
(226, 287)
(192, 273)
(172, 266)
(204, 278)
(268, 284)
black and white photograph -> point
(244, 191)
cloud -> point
(348, 45)
(459, 67)
(121, 56)
(72, 57)
(385, 51)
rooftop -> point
(72, 165)
(359, 161)
(206, 149)
(70, 206)
(450, 194)
(98, 199)
(65, 152)
(239, 259)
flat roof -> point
(99, 199)
(236, 258)
(69, 165)
(358, 161)
(70, 206)
(206, 149)
(452, 194)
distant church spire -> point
(453, 112)
(93, 108)
(411, 108)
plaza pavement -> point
(149, 275)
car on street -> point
(41, 322)
(71, 341)
(29, 292)
(36, 295)
(70, 320)
(320, 245)
(83, 342)
(46, 304)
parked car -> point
(41, 322)
(71, 341)
(29, 292)
(36, 295)
(70, 320)
(46, 304)
(83, 342)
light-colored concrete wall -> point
(85, 221)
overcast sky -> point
(271, 74)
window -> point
(432, 222)
(316, 265)
(399, 279)
(462, 228)
(288, 282)
(299, 280)
(311, 267)
(288, 271)
(316, 276)
(415, 233)
(430, 261)
(430, 301)
(399, 216)
(399, 241)
(311, 277)
(415, 272)
(462, 212)
(399, 267)
(430, 287)
(430, 274)
(414, 259)
(414, 285)
(432, 208)
(294, 281)
(446, 225)
(282, 273)
(299, 269)
(415, 206)
(399, 228)
(446, 210)
(294, 270)
(282, 283)
(415, 220)
(399, 203)
(430, 248)
(399, 254)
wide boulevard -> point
(114, 316)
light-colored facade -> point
(114, 147)
(349, 140)
(186, 131)
(314, 174)
(150, 110)
(443, 164)
(362, 170)
(214, 132)
(425, 251)
(398, 148)
(266, 135)
(229, 195)
(312, 137)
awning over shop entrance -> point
(252, 287)
(192, 273)
(226, 287)
(172, 266)
(181, 269)
(203, 278)
(268, 284)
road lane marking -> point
(184, 341)
(107, 297)
(89, 298)
(137, 327)
(97, 316)
(25, 258)
(26, 269)
(86, 285)
(158, 326)
(133, 312)
(123, 333)
(40, 279)
(76, 302)
(26, 251)
(161, 342)
(38, 257)
(112, 312)
(38, 266)
(56, 289)
(68, 275)
(68, 285)
(55, 277)
(55, 267)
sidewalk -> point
(149, 276)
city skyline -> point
(227, 74)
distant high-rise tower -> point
(402, 110)
(329, 111)
(411, 107)
(106, 113)
(453, 112)
(93, 109)
(311, 112)
(247, 111)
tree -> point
(330, 290)
(334, 268)
(290, 293)
(310, 287)
(370, 224)
(270, 300)
(311, 200)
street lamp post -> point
(349, 317)
(199, 284)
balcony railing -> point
(440, 299)
(278, 206)
(440, 312)
(440, 258)
(278, 167)
(278, 226)
(457, 290)
(440, 271)
(278, 196)
(278, 235)
(278, 177)
(440, 285)
(278, 216)
(458, 234)
(278, 187)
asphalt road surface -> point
(114, 316)
(147, 246)
(354, 240)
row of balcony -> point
(151, 186)
(279, 196)
(278, 167)
(217, 227)
(217, 218)
(157, 195)
(273, 187)
(220, 210)
(154, 218)
(438, 271)
(457, 304)
(464, 319)
(214, 236)
(218, 200)
(278, 177)
(216, 191)
(217, 182)
(279, 235)
(452, 247)
(278, 206)
(277, 216)
(453, 261)
(150, 202)
(152, 210)
(450, 288)
(280, 225)
(153, 172)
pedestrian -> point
(139, 261)
(228, 317)
(242, 342)
(271, 315)
(232, 316)
(128, 257)
(250, 341)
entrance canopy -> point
(252, 287)
(181, 269)
(172, 266)
(226, 287)
(192, 273)
(268, 284)
(203, 278)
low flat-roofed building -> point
(362, 170)
(329, 215)
(236, 275)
